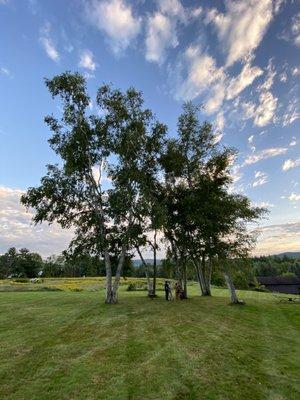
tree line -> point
(26, 264)
(123, 184)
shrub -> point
(261, 288)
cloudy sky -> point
(239, 58)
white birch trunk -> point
(233, 296)
(118, 274)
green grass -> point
(69, 345)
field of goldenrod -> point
(69, 284)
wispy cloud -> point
(289, 164)
(292, 112)
(117, 20)
(244, 79)
(278, 238)
(196, 74)
(47, 43)
(261, 178)
(242, 27)
(87, 60)
(161, 31)
(6, 72)
(250, 139)
(264, 154)
(17, 230)
(294, 197)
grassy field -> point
(69, 345)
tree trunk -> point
(109, 298)
(233, 296)
(119, 272)
(206, 279)
(154, 266)
(149, 286)
(184, 279)
(199, 276)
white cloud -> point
(265, 111)
(295, 29)
(17, 230)
(201, 74)
(161, 34)
(271, 73)
(47, 43)
(248, 110)
(219, 122)
(87, 60)
(244, 79)
(242, 27)
(261, 178)
(5, 71)
(293, 142)
(279, 238)
(294, 197)
(292, 33)
(174, 8)
(292, 112)
(283, 77)
(116, 19)
(216, 97)
(264, 204)
(162, 26)
(264, 154)
(296, 71)
(250, 139)
(289, 164)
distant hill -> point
(290, 254)
(138, 262)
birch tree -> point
(202, 212)
(111, 145)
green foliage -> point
(276, 266)
(20, 263)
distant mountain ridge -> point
(291, 254)
(138, 262)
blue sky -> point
(240, 59)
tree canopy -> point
(121, 184)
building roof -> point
(278, 280)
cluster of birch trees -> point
(123, 184)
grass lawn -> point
(70, 345)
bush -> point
(218, 280)
(261, 288)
